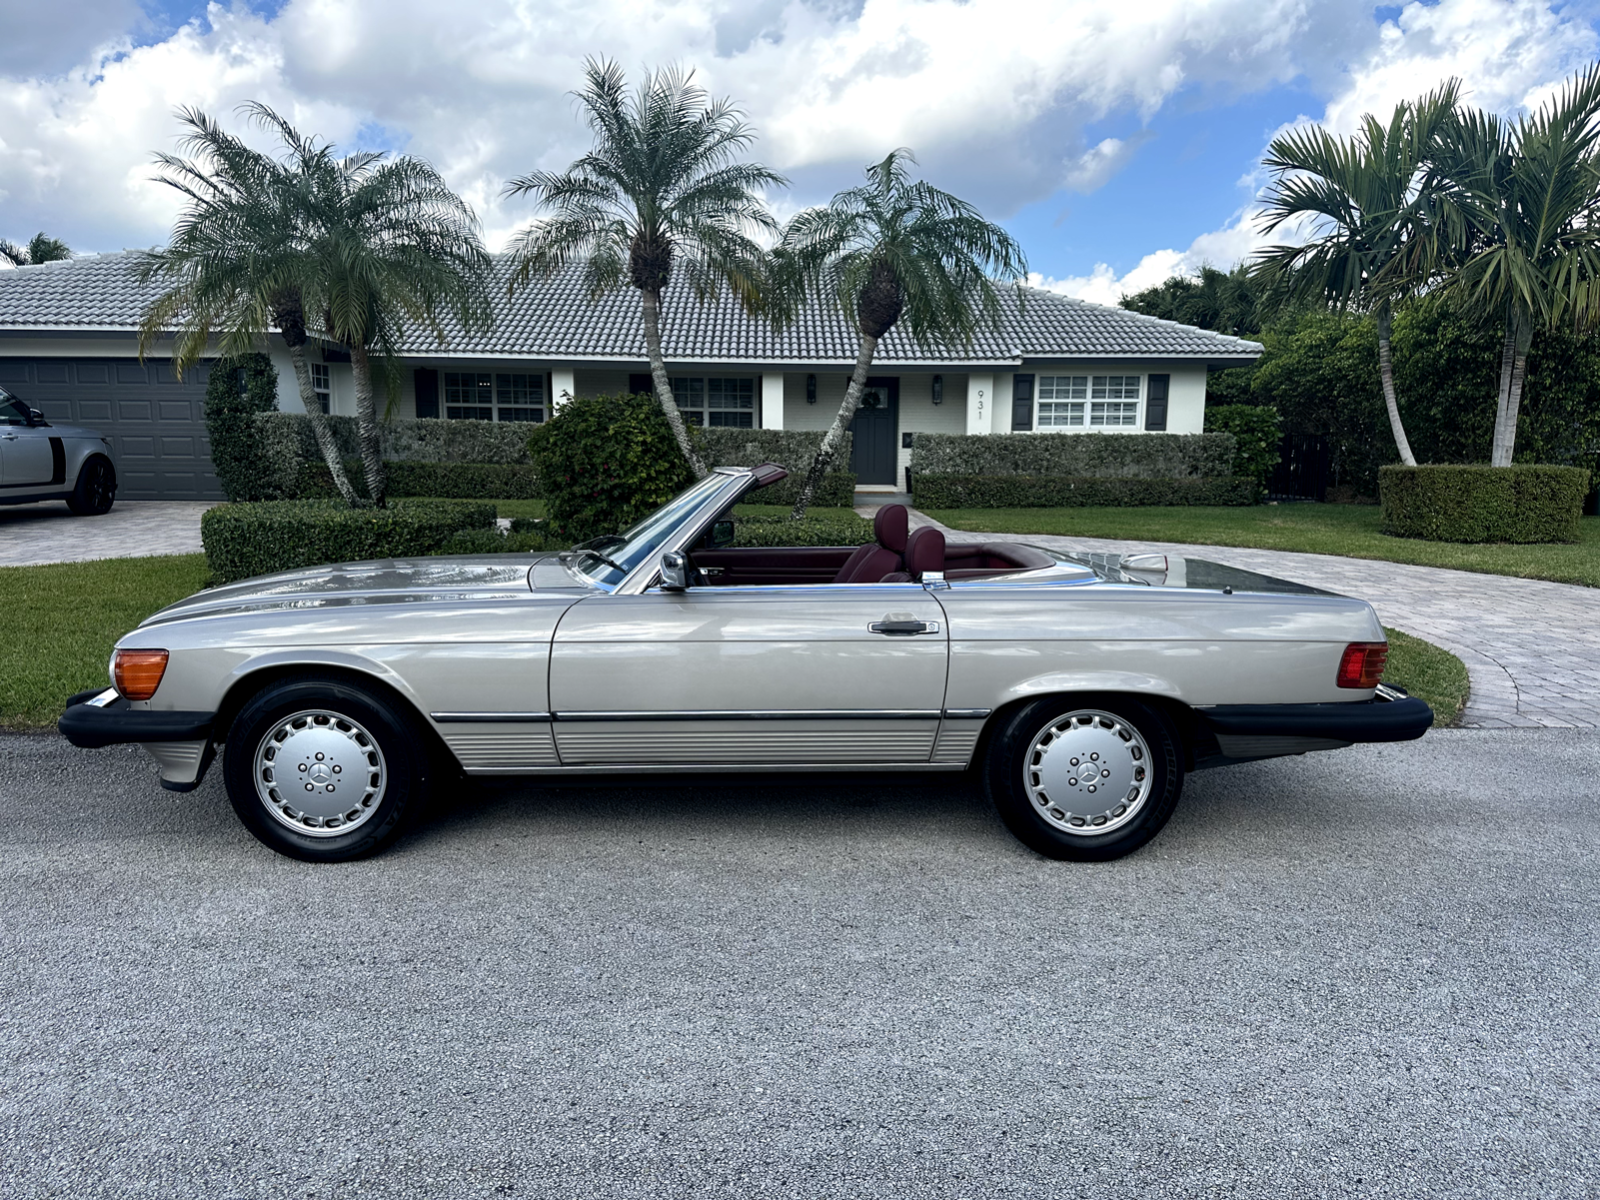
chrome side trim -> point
(447, 718)
(716, 768)
(966, 714)
(775, 714)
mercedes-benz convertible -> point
(1080, 690)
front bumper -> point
(179, 741)
(1246, 731)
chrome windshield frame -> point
(648, 572)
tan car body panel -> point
(736, 678)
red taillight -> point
(137, 673)
(1362, 663)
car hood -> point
(487, 578)
(72, 431)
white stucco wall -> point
(1186, 394)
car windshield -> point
(611, 559)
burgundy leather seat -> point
(872, 562)
(924, 552)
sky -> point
(1119, 140)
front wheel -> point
(96, 488)
(324, 770)
(1086, 778)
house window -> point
(1114, 400)
(718, 403)
(1061, 400)
(322, 386)
(468, 396)
(519, 397)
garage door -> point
(155, 422)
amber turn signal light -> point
(1361, 665)
(137, 673)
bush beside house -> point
(238, 391)
(1483, 504)
(1258, 444)
(1050, 470)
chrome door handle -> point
(891, 628)
(8, 437)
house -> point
(68, 345)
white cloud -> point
(1510, 54)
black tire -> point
(360, 730)
(1019, 773)
(96, 489)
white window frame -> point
(1061, 402)
(700, 402)
(1085, 402)
(507, 401)
(322, 386)
(1115, 400)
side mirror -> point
(674, 572)
(722, 534)
(35, 417)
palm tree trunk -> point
(1513, 358)
(651, 302)
(367, 425)
(1386, 373)
(319, 427)
(835, 435)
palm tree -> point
(1527, 195)
(1372, 205)
(360, 250)
(891, 249)
(41, 248)
(663, 188)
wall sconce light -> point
(811, 389)
(938, 389)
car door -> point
(29, 456)
(750, 676)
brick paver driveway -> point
(1532, 648)
(31, 534)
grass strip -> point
(63, 619)
(1429, 673)
(1345, 529)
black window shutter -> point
(640, 383)
(427, 384)
(1155, 403)
(1021, 403)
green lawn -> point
(1428, 672)
(61, 622)
(1347, 529)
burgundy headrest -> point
(924, 551)
(889, 527)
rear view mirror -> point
(722, 534)
(674, 572)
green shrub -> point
(792, 449)
(1059, 491)
(605, 462)
(243, 540)
(1450, 503)
(458, 481)
(1079, 455)
(237, 391)
(828, 530)
(1258, 443)
(496, 541)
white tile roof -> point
(556, 320)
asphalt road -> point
(1367, 973)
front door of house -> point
(874, 450)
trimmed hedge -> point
(231, 415)
(244, 540)
(1258, 443)
(457, 481)
(1058, 491)
(826, 530)
(1483, 504)
(790, 448)
(1078, 455)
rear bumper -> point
(92, 721)
(1376, 720)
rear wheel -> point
(96, 488)
(1087, 778)
(324, 770)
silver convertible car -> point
(1081, 692)
(41, 461)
